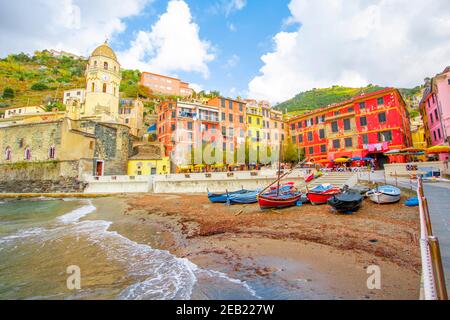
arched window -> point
(8, 154)
(104, 87)
(52, 152)
(93, 87)
(105, 65)
(27, 154)
(95, 64)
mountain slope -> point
(319, 98)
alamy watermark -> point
(74, 279)
(374, 280)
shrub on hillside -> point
(8, 93)
(39, 86)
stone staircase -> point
(337, 179)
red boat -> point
(271, 200)
(320, 196)
(309, 177)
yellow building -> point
(254, 123)
(148, 160)
(418, 133)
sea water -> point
(40, 239)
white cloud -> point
(385, 42)
(231, 27)
(227, 7)
(232, 61)
(72, 25)
(196, 87)
(234, 5)
(173, 44)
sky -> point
(262, 49)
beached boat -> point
(349, 201)
(321, 194)
(243, 198)
(384, 194)
(281, 200)
(222, 197)
(309, 177)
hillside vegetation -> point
(41, 79)
(319, 98)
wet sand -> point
(309, 248)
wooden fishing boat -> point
(282, 200)
(321, 194)
(349, 201)
(384, 194)
(222, 197)
(243, 198)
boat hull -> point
(223, 197)
(384, 194)
(246, 198)
(267, 202)
(381, 198)
(346, 202)
(322, 197)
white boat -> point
(384, 194)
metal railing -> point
(434, 287)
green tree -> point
(8, 93)
(290, 152)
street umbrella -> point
(413, 150)
(323, 161)
(341, 160)
(392, 152)
(438, 149)
(367, 159)
(356, 159)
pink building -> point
(435, 111)
(443, 95)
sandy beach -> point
(312, 250)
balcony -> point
(205, 118)
(184, 114)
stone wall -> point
(38, 137)
(43, 177)
(65, 185)
(113, 145)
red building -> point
(365, 126)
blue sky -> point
(262, 49)
(239, 39)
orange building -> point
(165, 85)
(232, 121)
(185, 123)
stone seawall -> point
(66, 185)
(43, 177)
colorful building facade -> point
(365, 126)
(165, 85)
(232, 121)
(435, 109)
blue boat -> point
(243, 198)
(222, 197)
